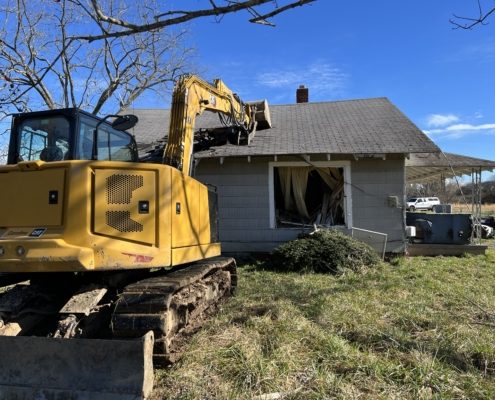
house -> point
(339, 163)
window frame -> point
(344, 164)
(107, 129)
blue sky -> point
(443, 79)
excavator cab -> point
(68, 134)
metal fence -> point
(377, 240)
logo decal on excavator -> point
(139, 258)
(37, 232)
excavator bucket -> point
(76, 369)
(262, 114)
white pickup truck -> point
(422, 203)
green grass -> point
(417, 328)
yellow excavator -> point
(108, 263)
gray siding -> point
(373, 181)
(244, 204)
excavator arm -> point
(190, 98)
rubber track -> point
(173, 305)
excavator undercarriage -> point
(143, 319)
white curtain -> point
(329, 176)
(299, 185)
(294, 182)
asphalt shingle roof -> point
(339, 127)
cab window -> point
(85, 142)
(112, 144)
(45, 139)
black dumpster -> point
(440, 228)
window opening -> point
(308, 196)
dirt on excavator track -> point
(173, 306)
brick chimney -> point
(302, 94)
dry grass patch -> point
(486, 209)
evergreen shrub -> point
(324, 251)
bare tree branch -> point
(45, 61)
(280, 10)
(177, 17)
(43, 66)
(461, 22)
